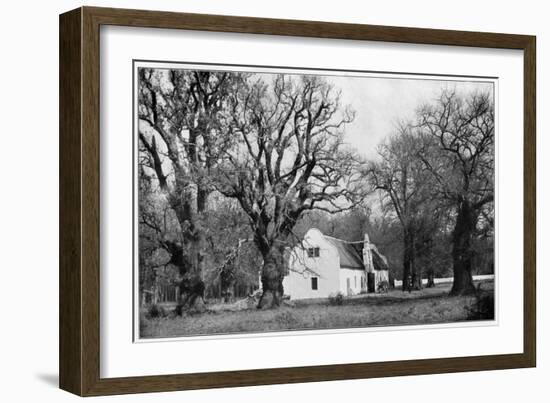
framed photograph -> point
(249, 201)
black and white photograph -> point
(272, 199)
(274, 202)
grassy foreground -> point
(429, 306)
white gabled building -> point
(322, 266)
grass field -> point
(428, 306)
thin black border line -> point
(134, 205)
(323, 69)
(135, 61)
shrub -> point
(155, 311)
(383, 286)
(482, 308)
(336, 299)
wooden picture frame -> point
(79, 348)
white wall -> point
(29, 202)
(298, 283)
(354, 277)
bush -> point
(336, 299)
(383, 286)
(155, 311)
(483, 308)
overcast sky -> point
(380, 103)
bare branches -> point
(291, 157)
(445, 159)
(463, 128)
(400, 174)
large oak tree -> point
(406, 192)
(181, 116)
(459, 153)
(290, 158)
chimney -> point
(367, 254)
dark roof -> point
(379, 260)
(351, 255)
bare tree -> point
(233, 261)
(290, 159)
(181, 115)
(432, 238)
(405, 185)
(460, 156)
(157, 227)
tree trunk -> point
(191, 298)
(391, 279)
(431, 282)
(188, 203)
(192, 289)
(416, 283)
(192, 286)
(272, 279)
(227, 282)
(408, 259)
(462, 250)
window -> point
(313, 252)
(314, 284)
